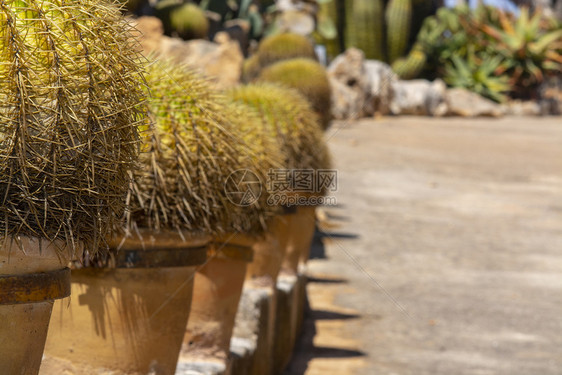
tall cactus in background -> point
(368, 25)
(384, 29)
(398, 19)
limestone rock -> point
(465, 103)
(520, 108)
(379, 96)
(350, 84)
(221, 61)
(418, 97)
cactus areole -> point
(71, 96)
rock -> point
(296, 21)
(550, 94)
(520, 108)
(350, 84)
(465, 103)
(346, 103)
(151, 32)
(379, 96)
(418, 97)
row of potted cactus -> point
(117, 169)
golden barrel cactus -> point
(71, 96)
(309, 78)
(190, 147)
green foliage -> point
(478, 75)
(306, 76)
(529, 49)
(467, 46)
(70, 100)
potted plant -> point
(177, 200)
(70, 95)
(219, 283)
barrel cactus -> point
(186, 21)
(190, 148)
(284, 46)
(70, 100)
(309, 78)
(290, 122)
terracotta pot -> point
(32, 275)
(127, 320)
(301, 232)
(269, 251)
(216, 294)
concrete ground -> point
(444, 253)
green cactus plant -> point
(70, 100)
(284, 46)
(398, 19)
(306, 76)
(368, 26)
(184, 20)
(190, 148)
(411, 66)
(289, 121)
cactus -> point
(186, 21)
(70, 99)
(289, 121)
(368, 27)
(411, 66)
(398, 19)
(306, 76)
(250, 68)
(284, 46)
(190, 148)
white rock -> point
(418, 97)
(465, 103)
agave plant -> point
(480, 75)
(529, 49)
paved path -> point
(445, 255)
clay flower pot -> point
(216, 295)
(269, 252)
(301, 232)
(32, 275)
(129, 319)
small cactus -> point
(250, 68)
(284, 46)
(190, 148)
(290, 122)
(70, 100)
(306, 76)
(411, 66)
(186, 21)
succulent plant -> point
(70, 101)
(530, 51)
(411, 66)
(194, 141)
(306, 76)
(185, 20)
(284, 46)
(398, 19)
(290, 122)
(478, 75)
